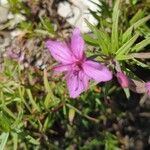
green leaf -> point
(46, 83)
(137, 16)
(115, 19)
(127, 92)
(50, 99)
(90, 40)
(17, 5)
(104, 8)
(138, 47)
(139, 63)
(5, 123)
(48, 122)
(35, 106)
(102, 38)
(33, 140)
(28, 26)
(127, 46)
(133, 2)
(47, 100)
(127, 34)
(47, 24)
(95, 14)
(145, 31)
(15, 140)
(9, 112)
(111, 141)
(71, 115)
(122, 57)
(3, 140)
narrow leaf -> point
(138, 47)
(35, 106)
(137, 24)
(137, 16)
(125, 48)
(139, 63)
(46, 83)
(4, 137)
(71, 115)
(50, 96)
(127, 92)
(47, 24)
(115, 19)
(123, 57)
(32, 140)
(5, 123)
(90, 40)
(47, 100)
(102, 38)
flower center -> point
(79, 65)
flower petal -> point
(59, 51)
(77, 82)
(97, 71)
(77, 44)
(62, 68)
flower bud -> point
(122, 79)
(147, 86)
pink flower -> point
(122, 79)
(78, 69)
(147, 86)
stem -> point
(84, 115)
(43, 32)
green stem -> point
(84, 115)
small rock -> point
(16, 33)
(3, 2)
(3, 14)
(4, 40)
(78, 12)
(39, 63)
